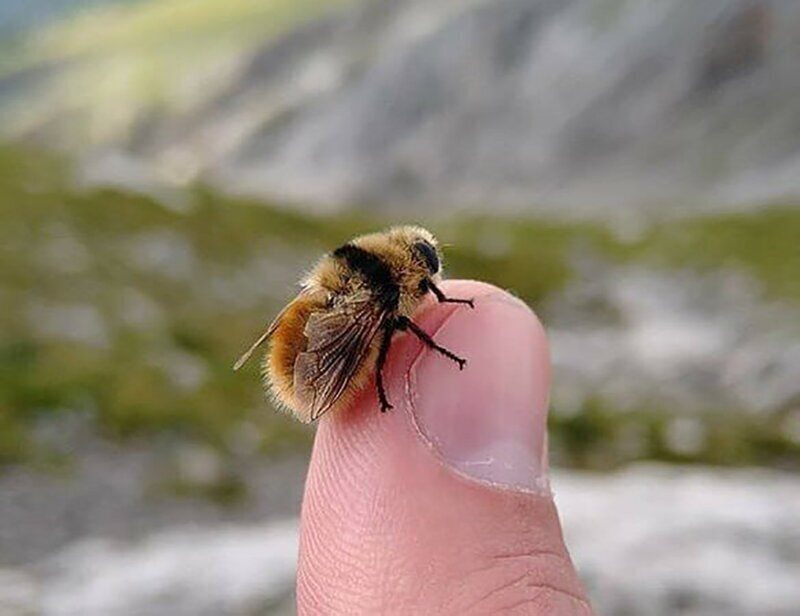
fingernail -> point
(488, 421)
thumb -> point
(441, 506)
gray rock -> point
(651, 541)
(639, 337)
(183, 571)
(580, 107)
(658, 541)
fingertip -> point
(489, 422)
(401, 507)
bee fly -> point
(325, 344)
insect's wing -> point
(339, 341)
(265, 336)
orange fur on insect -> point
(285, 344)
(346, 291)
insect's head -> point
(424, 248)
(409, 250)
(427, 252)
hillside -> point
(603, 108)
(127, 312)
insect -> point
(326, 343)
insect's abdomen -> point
(286, 343)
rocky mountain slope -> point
(566, 106)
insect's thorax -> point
(387, 272)
(363, 271)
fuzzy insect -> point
(326, 343)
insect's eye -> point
(428, 253)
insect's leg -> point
(406, 323)
(443, 299)
(388, 330)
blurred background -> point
(168, 168)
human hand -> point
(442, 506)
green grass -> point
(765, 244)
(159, 23)
(598, 437)
(164, 329)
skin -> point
(390, 525)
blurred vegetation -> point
(131, 310)
(118, 63)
